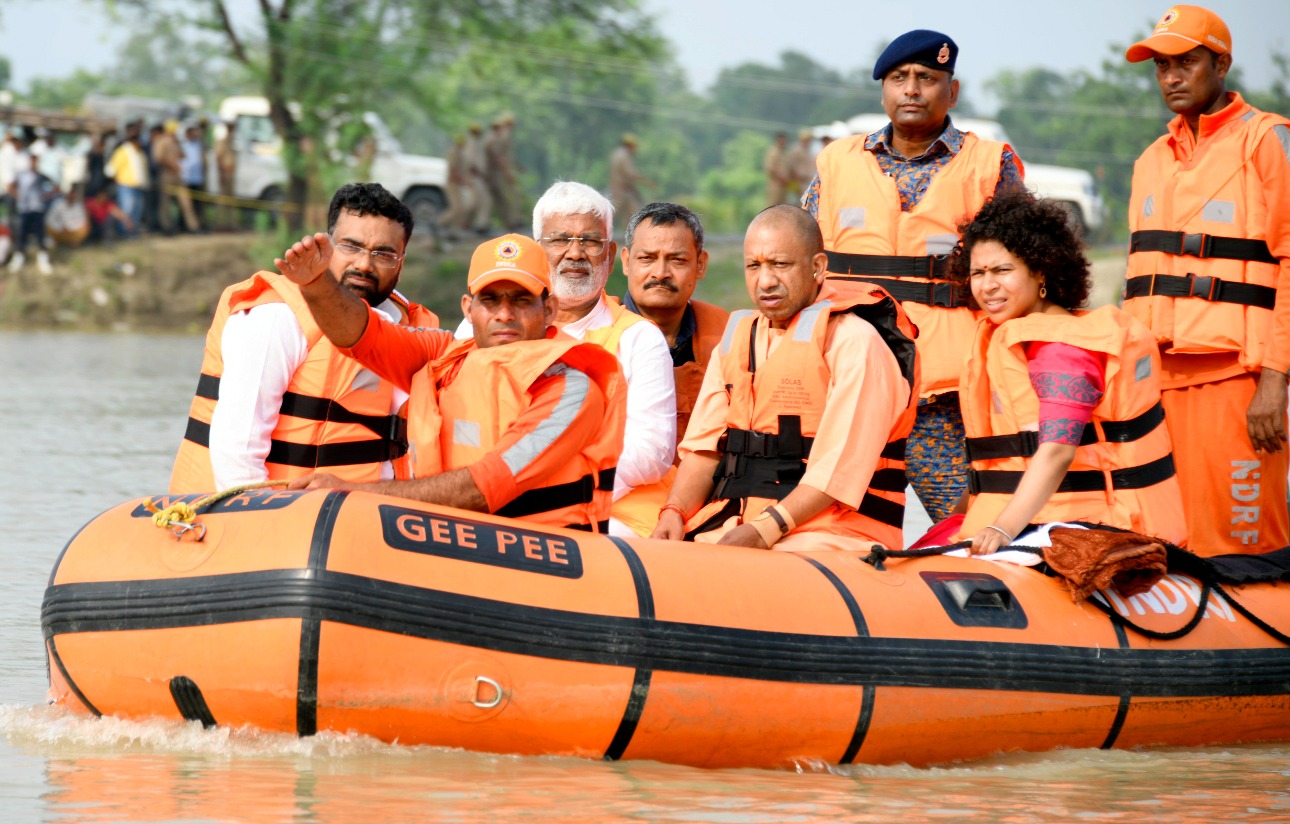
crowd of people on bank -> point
(918, 318)
(66, 189)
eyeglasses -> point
(590, 245)
(381, 258)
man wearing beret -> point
(888, 205)
(1209, 273)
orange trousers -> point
(1234, 497)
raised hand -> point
(307, 259)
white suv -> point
(417, 180)
(1075, 189)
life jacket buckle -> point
(1206, 288)
(1196, 245)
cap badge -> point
(508, 250)
(1170, 17)
(943, 56)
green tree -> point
(339, 57)
(1099, 121)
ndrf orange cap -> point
(1182, 29)
(516, 258)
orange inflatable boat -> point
(328, 610)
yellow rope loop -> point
(182, 512)
(177, 513)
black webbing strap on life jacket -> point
(391, 431)
(999, 481)
(896, 266)
(1216, 290)
(1024, 444)
(310, 456)
(334, 454)
(943, 294)
(768, 465)
(1200, 246)
(547, 498)
(1203, 247)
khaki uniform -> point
(624, 182)
(801, 168)
(475, 164)
(500, 175)
(775, 165)
(167, 154)
(226, 166)
(460, 197)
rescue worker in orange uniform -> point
(888, 204)
(276, 399)
(1209, 274)
(664, 260)
(520, 420)
(1061, 406)
(803, 411)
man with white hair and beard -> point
(574, 224)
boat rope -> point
(879, 553)
(1206, 587)
(1251, 617)
(180, 516)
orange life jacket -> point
(769, 434)
(454, 422)
(869, 237)
(334, 416)
(1123, 472)
(1200, 273)
(638, 508)
(710, 322)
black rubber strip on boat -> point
(54, 657)
(867, 691)
(190, 702)
(640, 683)
(311, 624)
(1126, 698)
(663, 646)
(67, 676)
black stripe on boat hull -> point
(640, 684)
(311, 625)
(867, 692)
(662, 645)
(1121, 712)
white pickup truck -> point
(1073, 188)
(419, 181)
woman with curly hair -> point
(1061, 405)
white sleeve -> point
(262, 349)
(649, 443)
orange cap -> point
(516, 258)
(1182, 29)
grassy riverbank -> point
(172, 283)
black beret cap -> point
(922, 46)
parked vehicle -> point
(1075, 189)
(419, 181)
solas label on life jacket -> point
(482, 543)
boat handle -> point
(497, 693)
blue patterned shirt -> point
(913, 175)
